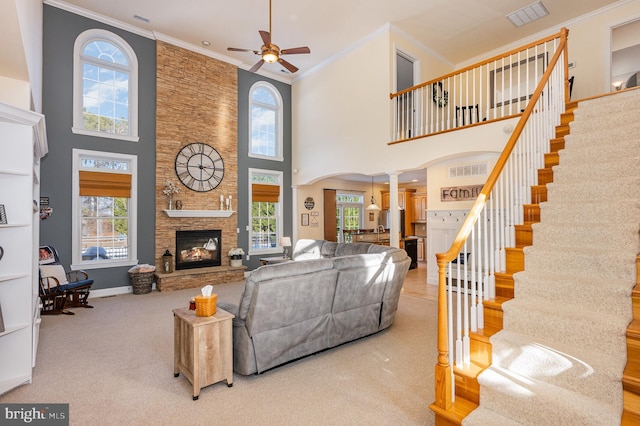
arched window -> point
(105, 86)
(265, 122)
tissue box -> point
(206, 305)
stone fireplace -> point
(198, 248)
(201, 108)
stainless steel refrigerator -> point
(385, 220)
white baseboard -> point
(114, 291)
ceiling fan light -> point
(270, 57)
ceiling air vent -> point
(479, 169)
(528, 14)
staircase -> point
(502, 362)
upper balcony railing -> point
(497, 88)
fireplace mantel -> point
(199, 213)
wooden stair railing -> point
(449, 377)
(631, 376)
(467, 387)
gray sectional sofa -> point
(329, 294)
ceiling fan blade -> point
(257, 66)
(236, 49)
(288, 66)
(295, 50)
(266, 37)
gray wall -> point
(61, 29)
(245, 81)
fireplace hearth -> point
(198, 248)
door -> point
(405, 78)
(625, 55)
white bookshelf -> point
(22, 144)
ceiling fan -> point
(271, 52)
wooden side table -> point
(273, 260)
(203, 348)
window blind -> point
(261, 193)
(101, 184)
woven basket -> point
(141, 282)
(206, 305)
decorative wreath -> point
(440, 96)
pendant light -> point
(373, 206)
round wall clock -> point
(199, 167)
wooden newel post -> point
(442, 368)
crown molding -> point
(100, 18)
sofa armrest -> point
(232, 308)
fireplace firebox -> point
(198, 248)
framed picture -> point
(3, 215)
(304, 219)
(517, 81)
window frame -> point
(279, 137)
(76, 210)
(78, 60)
(340, 207)
(279, 211)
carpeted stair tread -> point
(594, 235)
(604, 121)
(597, 170)
(581, 261)
(588, 291)
(482, 416)
(595, 191)
(543, 320)
(533, 402)
(591, 146)
(618, 102)
(584, 370)
(614, 211)
(586, 156)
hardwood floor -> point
(415, 284)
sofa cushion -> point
(329, 249)
(307, 249)
(354, 248)
(361, 280)
(276, 271)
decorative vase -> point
(170, 206)
(236, 261)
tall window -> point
(266, 210)
(349, 208)
(265, 122)
(105, 86)
(104, 209)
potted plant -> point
(170, 190)
(235, 254)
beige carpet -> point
(560, 357)
(114, 365)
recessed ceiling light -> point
(528, 14)
(206, 43)
(141, 18)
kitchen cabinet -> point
(404, 199)
(384, 200)
(419, 205)
(421, 254)
(23, 141)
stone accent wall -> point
(197, 101)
